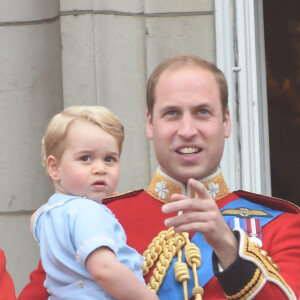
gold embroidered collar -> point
(162, 186)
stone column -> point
(60, 53)
(30, 93)
(178, 27)
(109, 50)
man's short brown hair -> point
(179, 62)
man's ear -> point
(149, 126)
(227, 123)
(52, 167)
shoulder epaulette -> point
(268, 201)
(121, 196)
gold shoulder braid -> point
(163, 249)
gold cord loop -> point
(162, 250)
(182, 274)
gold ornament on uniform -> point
(162, 188)
(162, 250)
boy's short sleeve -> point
(93, 226)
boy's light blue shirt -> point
(68, 228)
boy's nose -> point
(99, 168)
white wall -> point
(55, 54)
(30, 93)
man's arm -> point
(203, 215)
(248, 271)
(116, 278)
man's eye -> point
(86, 158)
(109, 159)
(170, 113)
(203, 111)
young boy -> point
(83, 247)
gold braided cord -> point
(162, 250)
(193, 258)
(182, 274)
(155, 248)
(172, 246)
(192, 254)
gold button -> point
(269, 259)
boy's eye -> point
(109, 159)
(86, 158)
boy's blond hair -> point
(53, 142)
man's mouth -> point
(188, 150)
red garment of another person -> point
(7, 289)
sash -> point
(239, 209)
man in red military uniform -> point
(7, 289)
(199, 240)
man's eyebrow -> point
(204, 105)
(169, 106)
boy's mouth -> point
(99, 184)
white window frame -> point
(240, 55)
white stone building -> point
(54, 54)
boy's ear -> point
(52, 167)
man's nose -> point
(187, 126)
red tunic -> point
(7, 289)
(142, 219)
(140, 215)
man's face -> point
(187, 125)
